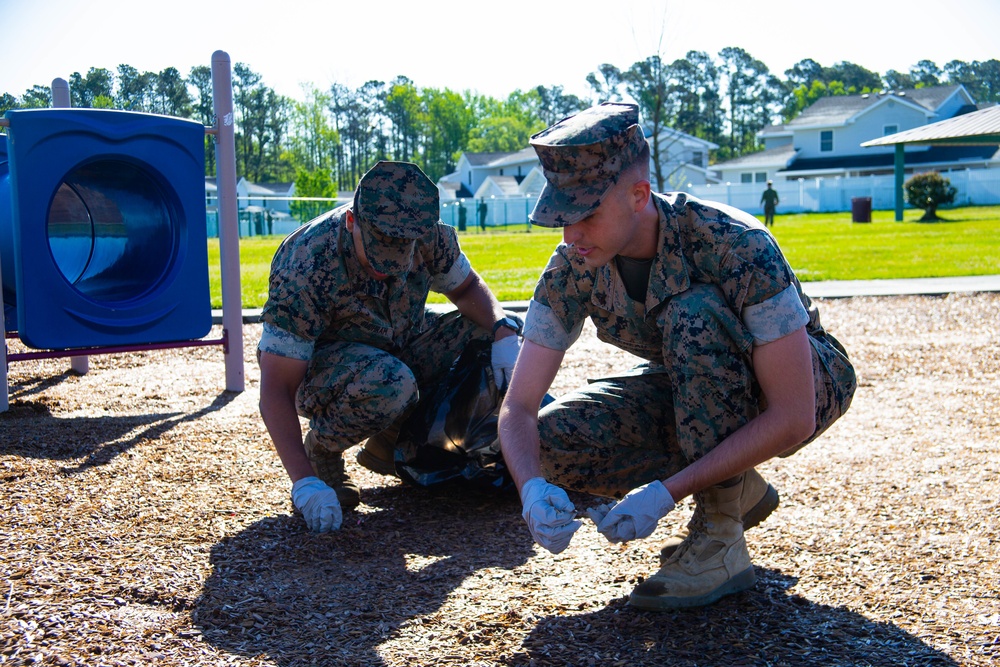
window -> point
(746, 178)
(890, 129)
(760, 177)
(826, 141)
(698, 158)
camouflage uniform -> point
(718, 285)
(371, 345)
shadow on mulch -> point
(764, 626)
(31, 431)
(331, 599)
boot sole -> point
(752, 518)
(375, 464)
(762, 509)
(741, 582)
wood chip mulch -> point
(145, 520)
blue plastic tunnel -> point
(102, 228)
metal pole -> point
(229, 239)
(60, 94)
(61, 100)
(4, 400)
(898, 172)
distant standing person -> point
(770, 200)
(481, 209)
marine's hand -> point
(318, 504)
(634, 516)
(549, 514)
(503, 356)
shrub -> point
(928, 191)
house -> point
(684, 160)
(480, 175)
(825, 140)
(273, 196)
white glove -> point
(549, 513)
(503, 356)
(634, 516)
(318, 504)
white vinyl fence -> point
(976, 187)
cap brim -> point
(387, 255)
(555, 208)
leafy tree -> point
(648, 82)
(928, 191)
(404, 111)
(134, 89)
(446, 133)
(695, 85)
(308, 184)
(855, 78)
(84, 90)
(804, 73)
(606, 83)
(554, 104)
(708, 83)
(171, 96)
(925, 74)
(898, 80)
(312, 139)
(203, 109)
(261, 119)
(499, 134)
(981, 79)
(37, 97)
(357, 120)
(753, 95)
(7, 102)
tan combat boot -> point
(757, 502)
(329, 467)
(711, 563)
(378, 452)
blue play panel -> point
(106, 242)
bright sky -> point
(489, 47)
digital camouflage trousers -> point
(621, 432)
(352, 391)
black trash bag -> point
(451, 436)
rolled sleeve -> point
(776, 317)
(275, 340)
(455, 276)
(542, 327)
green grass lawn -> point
(819, 246)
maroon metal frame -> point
(89, 351)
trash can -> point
(861, 209)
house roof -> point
(482, 159)
(506, 183)
(772, 157)
(838, 109)
(265, 189)
(978, 127)
(933, 155)
(683, 137)
(775, 131)
(524, 155)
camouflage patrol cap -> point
(395, 203)
(582, 157)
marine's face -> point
(359, 249)
(610, 230)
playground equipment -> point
(103, 244)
